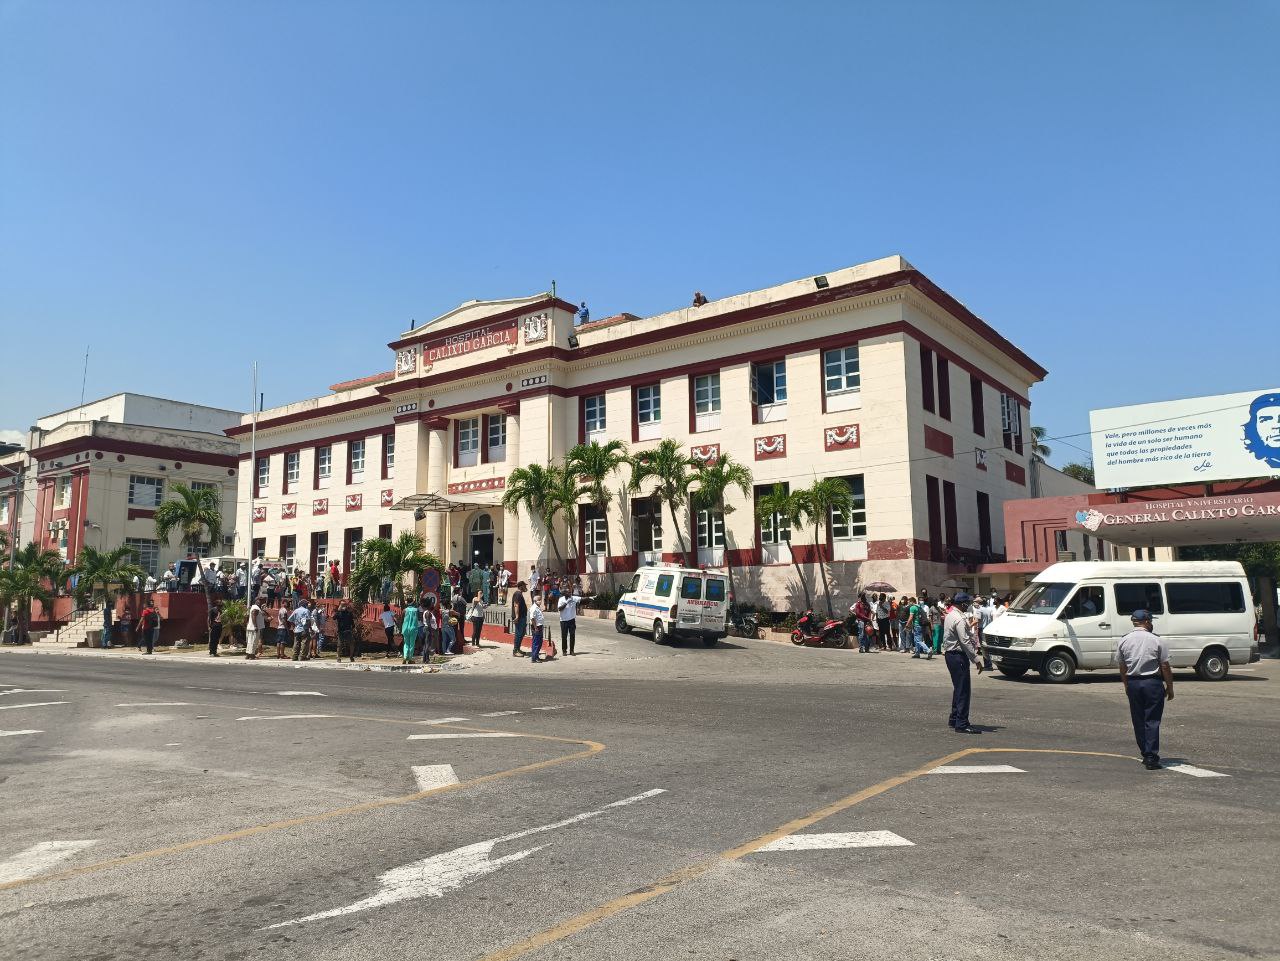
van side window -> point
(1087, 602)
(691, 588)
(1205, 597)
(1137, 597)
(635, 584)
(664, 585)
(715, 589)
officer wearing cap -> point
(1148, 681)
(959, 649)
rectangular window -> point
(840, 370)
(710, 529)
(715, 589)
(1205, 597)
(691, 588)
(4, 510)
(319, 550)
(1059, 541)
(975, 403)
(146, 553)
(324, 462)
(933, 504)
(197, 548)
(649, 404)
(64, 491)
(593, 421)
(198, 486)
(769, 391)
(388, 455)
(949, 514)
(289, 551)
(497, 437)
(384, 532)
(773, 527)
(292, 471)
(593, 536)
(855, 525)
(145, 491)
(944, 388)
(1088, 550)
(926, 377)
(1011, 422)
(1139, 597)
(259, 547)
(355, 459)
(352, 538)
(663, 587)
(264, 475)
(646, 521)
(984, 524)
(467, 438)
(706, 401)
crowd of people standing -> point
(913, 625)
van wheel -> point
(620, 623)
(659, 633)
(1059, 668)
(1213, 665)
(1012, 671)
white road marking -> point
(1192, 770)
(39, 858)
(435, 876)
(430, 776)
(301, 694)
(14, 707)
(41, 690)
(553, 707)
(445, 720)
(16, 733)
(831, 842)
(157, 704)
(280, 717)
(977, 769)
(441, 737)
(499, 713)
(174, 744)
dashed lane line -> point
(301, 694)
(445, 720)
(443, 737)
(833, 842)
(16, 733)
(499, 713)
(156, 704)
(977, 769)
(589, 749)
(1191, 769)
(25, 690)
(283, 717)
(16, 707)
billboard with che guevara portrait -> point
(1197, 440)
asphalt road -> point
(654, 803)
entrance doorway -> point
(481, 541)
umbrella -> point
(880, 586)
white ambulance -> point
(674, 602)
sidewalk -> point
(453, 662)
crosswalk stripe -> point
(444, 720)
(831, 842)
(977, 769)
(430, 776)
(39, 858)
(442, 737)
(16, 733)
(15, 707)
(1192, 770)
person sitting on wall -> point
(699, 298)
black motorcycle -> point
(743, 623)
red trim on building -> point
(140, 513)
(513, 314)
(843, 437)
(938, 441)
(111, 445)
(1015, 472)
(315, 413)
(770, 447)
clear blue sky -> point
(187, 186)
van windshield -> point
(1041, 598)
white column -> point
(436, 463)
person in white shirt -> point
(504, 578)
(282, 629)
(536, 622)
(535, 579)
(300, 621)
(388, 621)
(319, 618)
(568, 606)
(150, 586)
(253, 631)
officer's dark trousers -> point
(958, 665)
(568, 634)
(1146, 707)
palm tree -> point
(670, 467)
(792, 511)
(20, 585)
(564, 495)
(714, 480)
(593, 464)
(1039, 450)
(197, 515)
(821, 499)
(535, 489)
(380, 560)
(34, 575)
(107, 568)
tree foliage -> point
(670, 468)
(380, 561)
(1081, 472)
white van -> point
(674, 602)
(1072, 616)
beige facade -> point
(870, 373)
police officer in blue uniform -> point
(1143, 657)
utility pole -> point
(15, 528)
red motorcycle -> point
(819, 632)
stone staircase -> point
(76, 632)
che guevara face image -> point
(1262, 432)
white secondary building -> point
(870, 373)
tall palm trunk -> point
(822, 567)
(549, 523)
(804, 585)
(728, 562)
(675, 523)
(608, 551)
